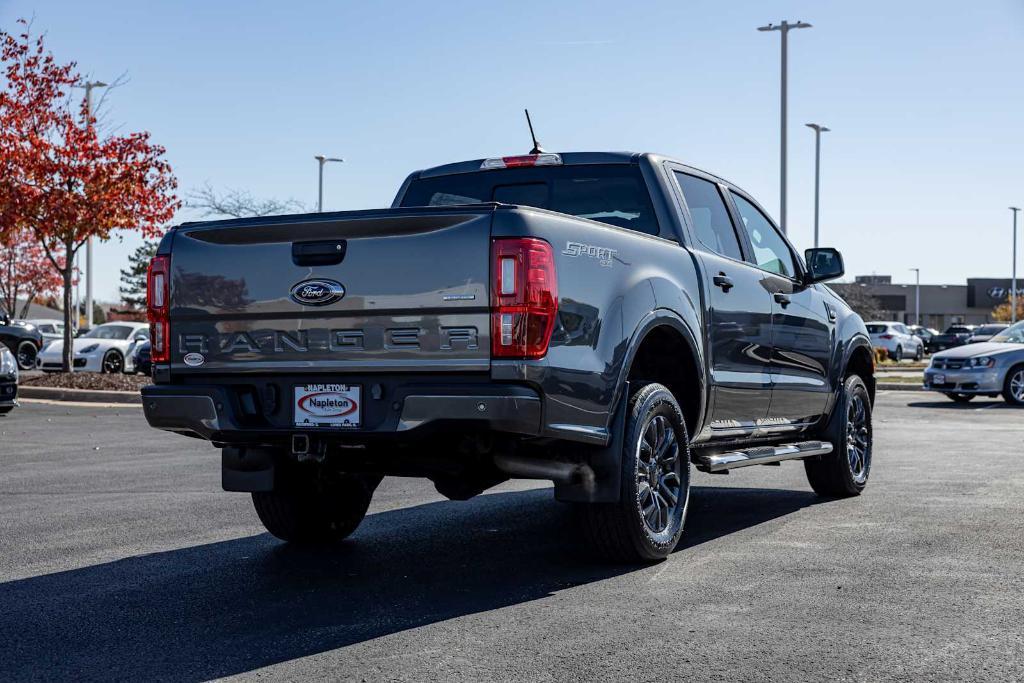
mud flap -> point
(605, 463)
(247, 468)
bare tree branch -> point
(238, 203)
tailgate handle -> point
(325, 253)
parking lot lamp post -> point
(89, 85)
(783, 28)
(1013, 281)
(321, 159)
(917, 298)
(818, 130)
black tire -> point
(1012, 386)
(920, 352)
(316, 511)
(113, 363)
(960, 398)
(655, 445)
(26, 355)
(6, 409)
(897, 355)
(844, 472)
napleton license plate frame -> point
(328, 405)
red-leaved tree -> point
(63, 181)
(25, 273)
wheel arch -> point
(660, 329)
(859, 360)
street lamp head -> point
(784, 26)
(99, 84)
(324, 159)
(818, 127)
(1014, 208)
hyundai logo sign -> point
(1001, 293)
(317, 292)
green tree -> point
(133, 278)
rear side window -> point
(876, 329)
(614, 193)
(711, 222)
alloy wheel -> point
(112, 363)
(1017, 386)
(658, 475)
(26, 355)
(858, 438)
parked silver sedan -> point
(987, 369)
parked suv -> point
(897, 339)
(606, 321)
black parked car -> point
(955, 335)
(23, 339)
(140, 360)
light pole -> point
(784, 28)
(917, 298)
(321, 159)
(1013, 282)
(818, 130)
(89, 85)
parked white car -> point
(101, 349)
(895, 338)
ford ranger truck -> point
(606, 321)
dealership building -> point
(941, 305)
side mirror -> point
(823, 264)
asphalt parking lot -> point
(121, 558)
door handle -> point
(782, 299)
(724, 281)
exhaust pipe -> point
(537, 468)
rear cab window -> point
(615, 194)
(876, 329)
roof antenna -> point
(537, 149)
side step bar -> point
(763, 455)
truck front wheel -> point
(844, 472)
(648, 520)
(309, 510)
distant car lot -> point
(121, 556)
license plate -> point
(938, 379)
(328, 405)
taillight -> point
(158, 290)
(524, 297)
(542, 159)
(885, 336)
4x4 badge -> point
(318, 292)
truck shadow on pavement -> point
(230, 607)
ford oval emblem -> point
(317, 292)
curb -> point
(80, 395)
(895, 386)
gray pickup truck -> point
(605, 321)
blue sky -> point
(925, 101)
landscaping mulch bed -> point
(87, 380)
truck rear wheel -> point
(844, 472)
(315, 511)
(648, 520)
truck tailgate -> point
(399, 289)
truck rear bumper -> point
(217, 413)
